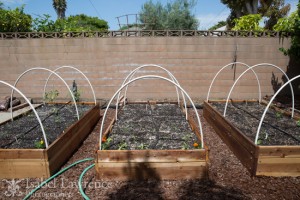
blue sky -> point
(208, 12)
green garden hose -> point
(80, 181)
(55, 175)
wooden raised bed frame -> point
(259, 160)
(42, 163)
(152, 164)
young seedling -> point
(122, 146)
(51, 95)
(143, 146)
(40, 144)
(278, 115)
(105, 142)
(298, 123)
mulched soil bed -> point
(228, 179)
(277, 128)
(25, 131)
(144, 126)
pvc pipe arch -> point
(269, 104)
(261, 64)
(150, 77)
(40, 68)
(33, 109)
(212, 82)
(132, 73)
(70, 67)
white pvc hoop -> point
(33, 109)
(132, 73)
(40, 68)
(261, 64)
(70, 67)
(270, 102)
(212, 82)
(150, 77)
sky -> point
(208, 12)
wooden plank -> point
(279, 151)
(23, 168)
(278, 167)
(144, 170)
(64, 146)
(241, 146)
(150, 155)
(194, 127)
(22, 154)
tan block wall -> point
(107, 61)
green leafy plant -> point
(143, 146)
(259, 142)
(15, 20)
(278, 115)
(106, 142)
(196, 145)
(122, 146)
(185, 146)
(40, 144)
(298, 123)
(51, 95)
(248, 23)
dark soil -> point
(25, 131)
(228, 179)
(144, 126)
(277, 128)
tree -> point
(218, 25)
(60, 7)
(175, 15)
(15, 20)
(291, 24)
(80, 23)
(271, 9)
(274, 11)
(1, 5)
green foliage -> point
(143, 146)
(218, 25)
(106, 143)
(291, 24)
(248, 23)
(51, 95)
(14, 20)
(272, 10)
(278, 115)
(43, 24)
(175, 15)
(298, 123)
(40, 144)
(79, 23)
(122, 146)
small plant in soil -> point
(142, 146)
(51, 95)
(40, 144)
(298, 123)
(106, 142)
(122, 146)
(278, 115)
(197, 146)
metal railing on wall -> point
(142, 33)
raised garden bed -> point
(277, 152)
(151, 141)
(22, 154)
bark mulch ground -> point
(228, 179)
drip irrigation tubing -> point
(275, 127)
(54, 176)
(80, 181)
(32, 128)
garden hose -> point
(55, 175)
(80, 181)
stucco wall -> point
(107, 61)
